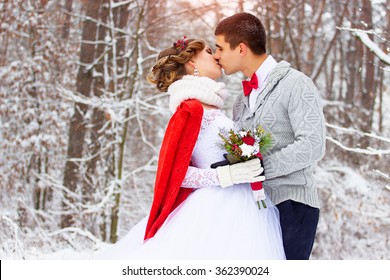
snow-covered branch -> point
(84, 159)
(77, 231)
(110, 104)
(362, 35)
(94, 101)
(115, 5)
(351, 130)
(383, 175)
(141, 129)
(57, 185)
(368, 151)
(98, 22)
(112, 189)
(13, 225)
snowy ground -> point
(354, 224)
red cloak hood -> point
(175, 156)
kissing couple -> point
(200, 212)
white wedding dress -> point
(212, 223)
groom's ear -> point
(243, 49)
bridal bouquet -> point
(244, 145)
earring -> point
(196, 71)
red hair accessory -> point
(180, 43)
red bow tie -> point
(249, 85)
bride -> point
(199, 212)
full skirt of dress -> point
(212, 223)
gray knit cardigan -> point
(290, 108)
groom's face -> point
(228, 58)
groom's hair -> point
(243, 28)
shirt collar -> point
(262, 74)
(265, 68)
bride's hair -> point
(170, 63)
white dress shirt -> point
(262, 74)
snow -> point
(372, 46)
(345, 195)
(37, 97)
(368, 151)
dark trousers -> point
(299, 224)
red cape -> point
(174, 159)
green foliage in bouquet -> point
(265, 141)
(245, 144)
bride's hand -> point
(243, 172)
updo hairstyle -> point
(170, 63)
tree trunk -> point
(274, 37)
(342, 70)
(120, 82)
(368, 94)
(66, 25)
(317, 71)
(77, 128)
(4, 36)
(98, 117)
(381, 90)
(240, 7)
(313, 39)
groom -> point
(287, 104)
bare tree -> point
(65, 27)
(275, 43)
(368, 76)
(77, 128)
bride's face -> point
(207, 65)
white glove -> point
(243, 172)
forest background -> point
(80, 127)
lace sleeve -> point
(200, 178)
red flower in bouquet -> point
(249, 140)
(245, 145)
